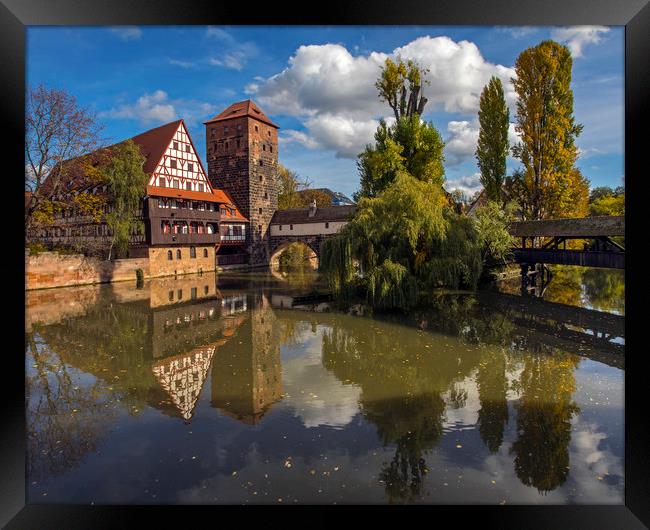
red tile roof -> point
(243, 108)
(154, 142)
(217, 196)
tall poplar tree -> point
(492, 148)
(547, 127)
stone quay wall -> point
(51, 269)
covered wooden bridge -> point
(544, 242)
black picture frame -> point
(15, 15)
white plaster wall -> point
(307, 229)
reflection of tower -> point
(247, 374)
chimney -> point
(312, 208)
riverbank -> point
(47, 270)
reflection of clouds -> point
(594, 466)
(464, 417)
(315, 394)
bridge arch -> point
(281, 247)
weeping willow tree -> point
(401, 243)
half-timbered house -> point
(189, 225)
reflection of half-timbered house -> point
(189, 225)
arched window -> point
(170, 256)
(178, 254)
(192, 252)
(205, 252)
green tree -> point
(608, 205)
(547, 128)
(400, 84)
(491, 223)
(492, 147)
(409, 145)
(126, 182)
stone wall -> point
(242, 158)
(50, 269)
(161, 265)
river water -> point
(214, 389)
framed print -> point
(375, 256)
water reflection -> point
(591, 288)
(469, 383)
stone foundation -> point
(161, 265)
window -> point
(268, 132)
(192, 252)
(238, 144)
(193, 293)
(177, 184)
(162, 182)
(172, 164)
(225, 129)
(201, 187)
(256, 129)
(176, 145)
(261, 178)
(170, 256)
(180, 292)
(259, 210)
(178, 255)
(264, 147)
(261, 163)
(271, 148)
(188, 186)
(190, 166)
(187, 148)
(171, 294)
(266, 195)
(205, 255)
(280, 228)
(206, 289)
(290, 227)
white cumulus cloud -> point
(577, 37)
(333, 91)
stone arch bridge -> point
(309, 226)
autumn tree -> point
(400, 85)
(308, 195)
(547, 128)
(57, 129)
(492, 147)
(126, 182)
(606, 201)
(289, 184)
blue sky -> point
(317, 84)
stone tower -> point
(242, 153)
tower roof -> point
(243, 108)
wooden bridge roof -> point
(584, 227)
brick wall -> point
(50, 269)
